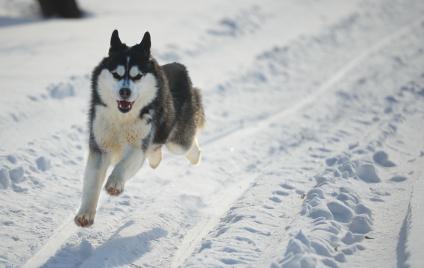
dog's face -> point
(127, 80)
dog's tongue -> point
(125, 105)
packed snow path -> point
(313, 150)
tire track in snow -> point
(56, 241)
(53, 244)
(402, 254)
(215, 244)
(190, 243)
(327, 86)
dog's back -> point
(189, 113)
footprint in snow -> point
(367, 173)
(229, 261)
(281, 193)
(376, 199)
(17, 174)
(340, 211)
(275, 199)
(12, 159)
(61, 91)
(398, 178)
(382, 159)
(286, 186)
(43, 163)
(4, 179)
(335, 214)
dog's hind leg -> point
(130, 163)
(195, 153)
(177, 148)
(95, 173)
(155, 156)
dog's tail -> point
(199, 112)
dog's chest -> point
(113, 131)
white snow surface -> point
(313, 152)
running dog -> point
(136, 107)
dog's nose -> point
(125, 93)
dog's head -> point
(127, 78)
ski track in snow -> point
(281, 190)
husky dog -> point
(136, 107)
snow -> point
(313, 152)
(61, 91)
(4, 178)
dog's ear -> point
(145, 43)
(115, 43)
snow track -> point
(189, 244)
(256, 125)
(337, 209)
(53, 244)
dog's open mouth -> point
(125, 106)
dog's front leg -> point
(126, 168)
(94, 176)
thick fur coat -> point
(136, 107)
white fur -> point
(134, 71)
(121, 139)
(119, 135)
(120, 70)
(94, 176)
(143, 91)
(130, 163)
(194, 154)
(113, 131)
(155, 157)
(176, 148)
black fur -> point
(95, 101)
(177, 110)
(184, 99)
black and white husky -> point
(136, 107)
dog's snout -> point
(125, 93)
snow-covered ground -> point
(313, 149)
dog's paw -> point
(155, 158)
(194, 155)
(114, 186)
(84, 219)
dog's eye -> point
(137, 77)
(116, 76)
